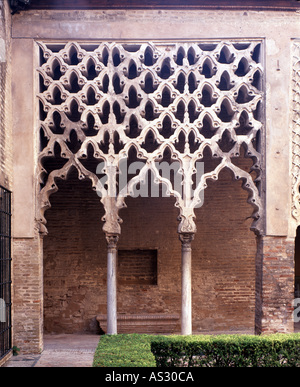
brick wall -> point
(275, 285)
(74, 260)
(137, 267)
(28, 294)
(224, 252)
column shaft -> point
(186, 283)
(112, 284)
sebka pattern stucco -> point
(154, 100)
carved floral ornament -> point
(111, 102)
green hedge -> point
(124, 350)
(279, 350)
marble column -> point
(112, 240)
(186, 283)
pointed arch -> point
(226, 54)
(208, 67)
(90, 67)
(51, 187)
(247, 184)
(180, 55)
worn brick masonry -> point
(28, 294)
(224, 252)
(275, 284)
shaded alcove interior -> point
(224, 250)
(74, 258)
(224, 253)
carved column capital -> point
(186, 239)
(112, 241)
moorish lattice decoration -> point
(110, 102)
(295, 126)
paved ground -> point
(60, 351)
(65, 351)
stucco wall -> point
(6, 173)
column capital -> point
(112, 240)
(186, 238)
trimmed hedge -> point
(278, 350)
(124, 350)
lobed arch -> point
(186, 215)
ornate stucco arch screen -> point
(110, 93)
(100, 101)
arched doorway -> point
(224, 254)
(74, 254)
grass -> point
(124, 350)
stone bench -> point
(143, 323)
